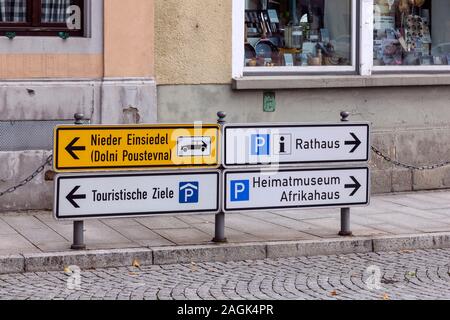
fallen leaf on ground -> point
(334, 293)
(411, 274)
(136, 263)
(386, 297)
(67, 270)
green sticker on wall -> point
(270, 103)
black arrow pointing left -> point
(72, 197)
(356, 142)
(356, 186)
(71, 148)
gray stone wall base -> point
(219, 253)
(106, 101)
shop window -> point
(411, 33)
(41, 17)
(299, 35)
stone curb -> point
(95, 259)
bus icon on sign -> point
(194, 146)
(189, 192)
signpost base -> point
(78, 236)
(220, 229)
(345, 223)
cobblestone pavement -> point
(422, 274)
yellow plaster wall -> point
(129, 41)
(193, 41)
(27, 66)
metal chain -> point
(30, 178)
(408, 166)
(374, 149)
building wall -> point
(193, 41)
(129, 38)
(108, 76)
(410, 123)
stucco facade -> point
(171, 61)
(409, 113)
(108, 75)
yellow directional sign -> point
(93, 148)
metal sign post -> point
(219, 234)
(345, 212)
(78, 226)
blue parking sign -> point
(240, 190)
(260, 145)
(188, 192)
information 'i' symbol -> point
(282, 144)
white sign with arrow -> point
(81, 196)
(284, 144)
(295, 188)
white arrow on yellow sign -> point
(89, 148)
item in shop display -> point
(273, 16)
(391, 53)
(288, 60)
(384, 16)
(294, 20)
(314, 61)
(412, 58)
(404, 7)
(293, 36)
(250, 53)
(426, 60)
(325, 35)
(297, 37)
(266, 52)
(309, 48)
(419, 3)
(329, 56)
(390, 3)
(437, 60)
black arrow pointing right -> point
(356, 186)
(356, 142)
(71, 148)
(72, 196)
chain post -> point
(78, 226)
(219, 235)
(345, 212)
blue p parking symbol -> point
(260, 145)
(240, 190)
(189, 192)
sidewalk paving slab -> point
(34, 241)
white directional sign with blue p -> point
(254, 190)
(102, 195)
(287, 145)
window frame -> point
(403, 69)
(362, 50)
(238, 65)
(34, 26)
